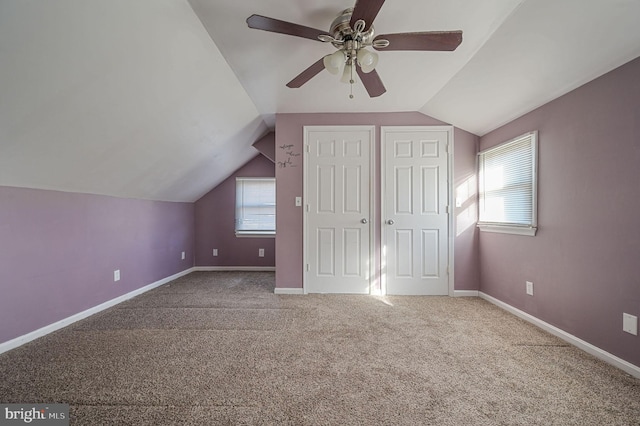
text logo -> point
(34, 414)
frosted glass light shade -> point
(367, 60)
(334, 62)
(349, 74)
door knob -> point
(364, 220)
(390, 222)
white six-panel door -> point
(337, 203)
(414, 210)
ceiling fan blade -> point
(371, 82)
(260, 22)
(433, 40)
(307, 74)
(367, 10)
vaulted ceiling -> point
(162, 99)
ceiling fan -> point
(351, 33)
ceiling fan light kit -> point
(334, 62)
(351, 33)
(367, 60)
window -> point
(508, 186)
(255, 207)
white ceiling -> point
(545, 49)
(264, 62)
(147, 99)
(118, 97)
(515, 56)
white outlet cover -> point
(215, 252)
(529, 288)
(298, 201)
(261, 252)
(116, 275)
(183, 255)
(630, 324)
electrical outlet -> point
(116, 275)
(630, 324)
(260, 252)
(529, 288)
(298, 201)
(215, 252)
(183, 256)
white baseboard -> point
(283, 290)
(234, 268)
(465, 293)
(21, 340)
(605, 356)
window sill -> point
(255, 234)
(506, 229)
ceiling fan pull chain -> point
(351, 81)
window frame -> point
(505, 227)
(253, 233)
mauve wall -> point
(289, 131)
(215, 223)
(466, 261)
(585, 260)
(58, 251)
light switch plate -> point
(298, 201)
(630, 324)
(116, 275)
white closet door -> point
(337, 204)
(414, 212)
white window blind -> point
(508, 185)
(255, 206)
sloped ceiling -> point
(162, 99)
(515, 55)
(118, 97)
(264, 62)
(545, 49)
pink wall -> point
(58, 251)
(215, 223)
(289, 131)
(467, 265)
(584, 261)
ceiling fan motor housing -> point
(342, 31)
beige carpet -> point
(221, 348)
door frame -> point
(450, 197)
(305, 193)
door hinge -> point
(308, 148)
(446, 148)
(447, 209)
(308, 269)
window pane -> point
(507, 182)
(255, 204)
